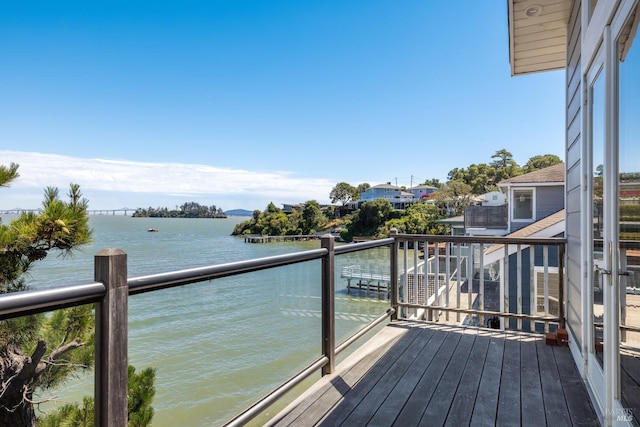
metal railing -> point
(500, 282)
(454, 260)
(110, 292)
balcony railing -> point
(496, 282)
(493, 217)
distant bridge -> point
(124, 211)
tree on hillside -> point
(272, 208)
(540, 162)
(361, 188)
(419, 218)
(477, 176)
(505, 166)
(366, 220)
(343, 193)
(39, 352)
(312, 217)
(453, 197)
(482, 177)
(274, 222)
(433, 182)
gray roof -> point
(423, 187)
(547, 175)
(538, 228)
(393, 187)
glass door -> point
(628, 222)
(597, 137)
(595, 225)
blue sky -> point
(237, 103)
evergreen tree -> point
(139, 409)
(540, 162)
(39, 352)
(343, 192)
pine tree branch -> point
(30, 366)
(57, 353)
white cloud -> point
(162, 181)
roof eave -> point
(541, 48)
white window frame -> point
(512, 202)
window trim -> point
(512, 201)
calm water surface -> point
(217, 346)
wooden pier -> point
(367, 280)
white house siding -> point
(573, 176)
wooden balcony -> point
(456, 371)
(419, 373)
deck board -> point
(388, 411)
(461, 409)
(416, 403)
(510, 385)
(359, 392)
(371, 402)
(421, 373)
(361, 415)
(484, 414)
(333, 390)
(438, 407)
(555, 406)
(531, 400)
(576, 396)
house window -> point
(523, 204)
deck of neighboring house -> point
(420, 373)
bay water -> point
(220, 345)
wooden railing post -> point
(393, 271)
(111, 368)
(561, 301)
(328, 304)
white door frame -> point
(595, 373)
(599, 59)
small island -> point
(187, 210)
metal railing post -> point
(393, 270)
(111, 369)
(328, 304)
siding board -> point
(573, 181)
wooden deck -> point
(416, 373)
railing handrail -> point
(154, 282)
(23, 303)
(484, 239)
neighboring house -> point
(392, 193)
(597, 44)
(522, 201)
(290, 207)
(534, 195)
(492, 198)
(455, 223)
(422, 191)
